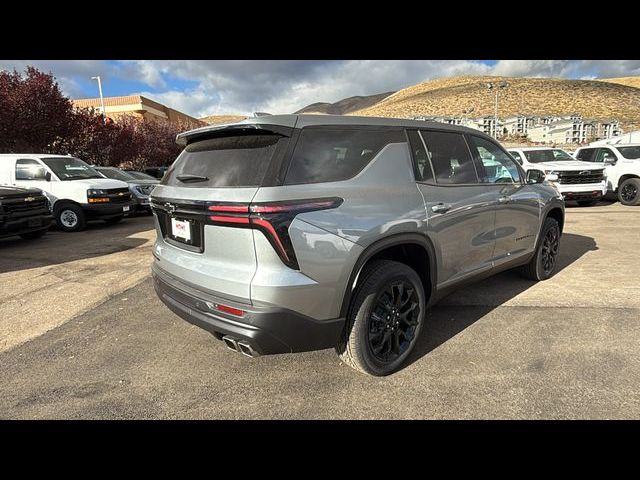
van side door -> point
(460, 214)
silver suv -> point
(301, 232)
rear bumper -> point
(268, 330)
(11, 227)
(106, 210)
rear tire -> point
(113, 220)
(545, 259)
(70, 218)
(629, 192)
(384, 319)
(34, 235)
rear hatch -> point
(218, 173)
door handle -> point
(441, 208)
(504, 199)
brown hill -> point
(217, 119)
(529, 96)
(346, 105)
(628, 81)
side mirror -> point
(535, 176)
(610, 161)
(47, 176)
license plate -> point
(181, 229)
(125, 208)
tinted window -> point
(27, 169)
(330, 155)
(232, 161)
(630, 153)
(547, 155)
(116, 174)
(585, 154)
(497, 165)
(604, 154)
(422, 166)
(516, 156)
(450, 157)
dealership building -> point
(139, 107)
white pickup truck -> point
(584, 182)
(622, 166)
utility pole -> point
(104, 114)
(501, 85)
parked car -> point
(24, 212)
(76, 191)
(140, 189)
(157, 172)
(344, 236)
(622, 165)
(141, 175)
(577, 180)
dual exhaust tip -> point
(240, 346)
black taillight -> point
(271, 218)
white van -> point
(77, 192)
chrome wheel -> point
(69, 218)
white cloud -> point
(283, 86)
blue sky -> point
(207, 87)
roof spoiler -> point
(184, 138)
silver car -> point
(292, 233)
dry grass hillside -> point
(628, 81)
(218, 119)
(529, 96)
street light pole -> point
(500, 86)
(104, 114)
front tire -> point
(545, 259)
(384, 320)
(629, 192)
(70, 218)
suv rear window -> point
(230, 161)
(331, 155)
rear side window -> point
(231, 161)
(422, 166)
(450, 157)
(331, 155)
(586, 154)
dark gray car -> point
(140, 188)
(301, 232)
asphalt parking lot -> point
(505, 348)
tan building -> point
(140, 107)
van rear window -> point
(230, 161)
(331, 155)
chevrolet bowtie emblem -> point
(120, 194)
(29, 199)
(171, 208)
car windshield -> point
(69, 168)
(116, 174)
(630, 153)
(547, 155)
(140, 175)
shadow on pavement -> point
(58, 247)
(446, 321)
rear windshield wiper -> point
(186, 178)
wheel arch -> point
(58, 204)
(557, 214)
(626, 176)
(411, 249)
